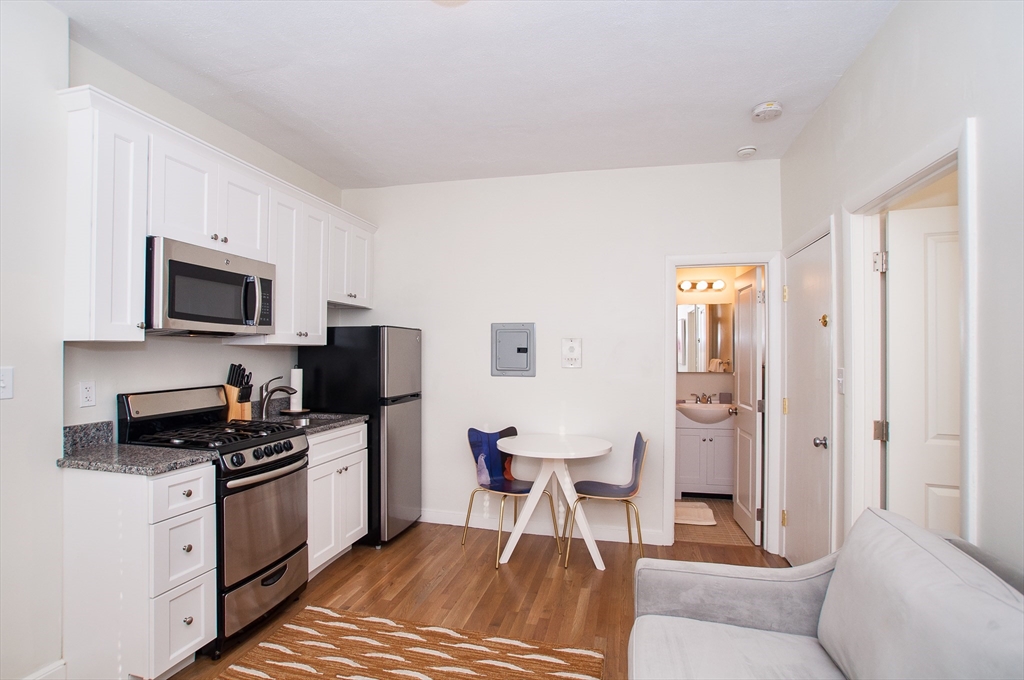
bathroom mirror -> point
(704, 338)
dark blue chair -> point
(494, 475)
(586, 490)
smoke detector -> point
(746, 151)
(767, 111)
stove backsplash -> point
(160, 363)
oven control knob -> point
(257, 453)
(278, 448)
(238, 459)
(287, 445)
(268, 450)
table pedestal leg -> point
(547, 469)
(561, 473)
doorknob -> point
(821, 441)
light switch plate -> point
(572, 352)
(6, 382)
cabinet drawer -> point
(330, 445)
(179, 492)
(183, 620)
(183, 547)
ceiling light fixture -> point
(766, 111)
(746, 151)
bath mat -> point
(694, 513)
(320, 641)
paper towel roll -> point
(295, 402)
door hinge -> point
(880, 261)
(760, 405)
(881, 430)
(762, 296)
(785, 406)
(785, 293)
(759, 515)
(783, 518)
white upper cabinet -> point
(244, 212)
(298, 234)
(105, 247)
(184, 195)
(131, 175)
(350, 277)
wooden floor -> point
(426, 576)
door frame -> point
(825, 228)
(956, 148)
(772, 472)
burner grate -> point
(214, 436)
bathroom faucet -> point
(266, 392)
(701, 398)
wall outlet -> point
(6, 382)
(86, 393)
(572, 352)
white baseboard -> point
(57, 670)
(540, 525)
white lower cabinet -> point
(140, 578)
(337, 493)
(704, 460)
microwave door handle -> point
(250, 302)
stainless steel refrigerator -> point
(375, 370)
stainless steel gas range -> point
(262, 557)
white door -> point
(923, 283)
(285, 230)
(748, 361)
(324, 507)
(184, 195)
(313, 276)
(243, 219)
(353, 498)
(808, 463)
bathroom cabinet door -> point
(720, 459)
(689, 467)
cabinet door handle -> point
(224, 240)
(703, 439)
(351, 295)
(711, 439)
(142, 325)
(187, 620)
(187, 547)
(187, 493)
(344, 469)
(214, 237)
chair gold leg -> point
(572, 525)
(565, 526)
(515, 509)
(469, 511)
(629, 523)
(501, 519)
(639, 536)
(554, 522)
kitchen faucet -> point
(266, 392)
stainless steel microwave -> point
(192, 290)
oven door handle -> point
(273, 474)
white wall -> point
(932, 65)
(33, 157)
(89, 68)
(581, 255)
(160, 363)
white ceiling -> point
(379, 93)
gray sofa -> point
(896, 602)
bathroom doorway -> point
(720, 398)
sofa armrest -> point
(783, 600)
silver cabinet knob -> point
(141, 324)
(187, 493)
(187, 620)
(711, 439)
(344, 469)
(214, 237)
(734, 411)
(224, 240)
(187, 548)
(821, 441)
(351, 295)
(298, 333)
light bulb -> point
(685, 285)
(702, 285)
(718, 285)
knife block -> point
(237, 410)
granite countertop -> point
(92, 447)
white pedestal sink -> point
(706, 413)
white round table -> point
(553, 450)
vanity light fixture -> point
(688, 286)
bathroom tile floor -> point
(725, 532)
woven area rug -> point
(694, 513)
(319, 641)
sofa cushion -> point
(677, 648)
(903, 602)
